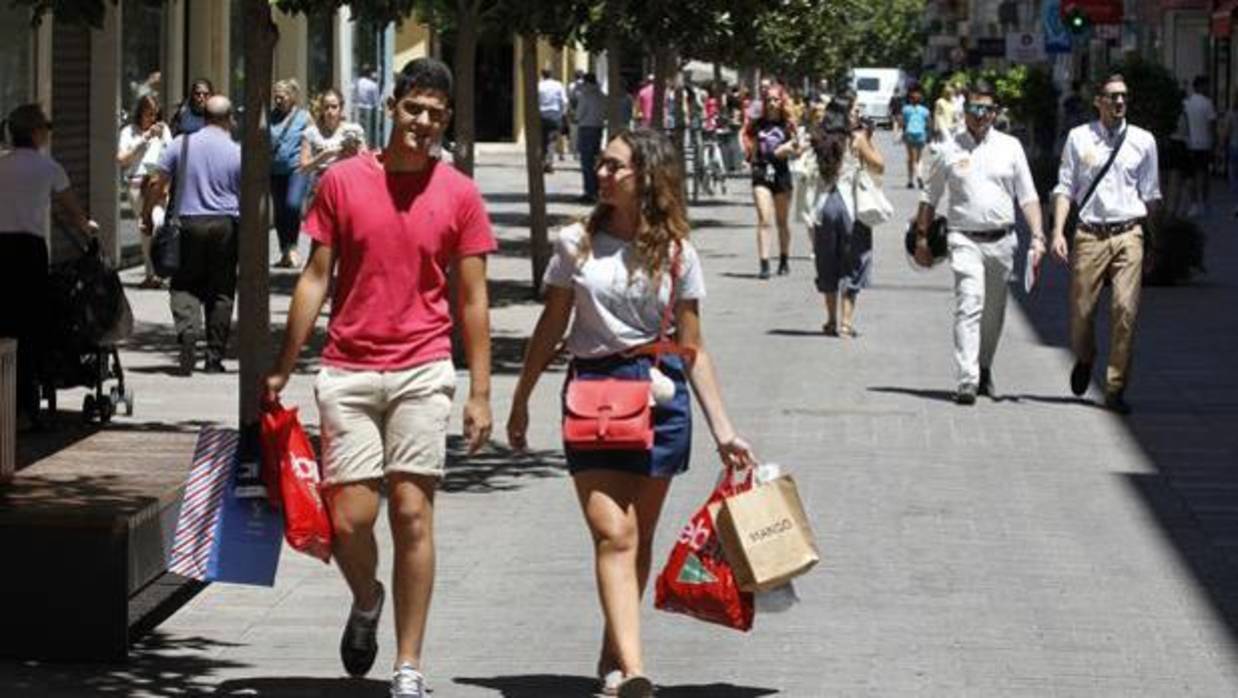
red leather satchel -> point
(615, 414)
(608, 414)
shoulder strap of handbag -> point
(1104, 170)
(287, 123)
(179, 185)
(665, 326)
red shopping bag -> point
(697, 580)
(293, 481)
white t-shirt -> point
(1200, 115)
(28, 179)
(551, 99)
(318, 142)
(131, 137)
(616, 309)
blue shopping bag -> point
(222, 537)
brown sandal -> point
(830, 329)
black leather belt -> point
(986, 235)
(1109, 229)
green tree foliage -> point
(1156, 100)
(812, 37)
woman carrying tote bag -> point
(618, 271)
(842, 243)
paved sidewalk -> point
(1036, 546)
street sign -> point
(1025, 47)
(1057, 37)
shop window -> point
(321, 52)
(15, 58)
(141, 56)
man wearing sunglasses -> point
(1108, 240)
(986, 173)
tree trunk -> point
(614, 70)
(661, 71)
(253, 288)
(538, 233)
(465, 73)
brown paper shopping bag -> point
(766, 536)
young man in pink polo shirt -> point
(391, 224)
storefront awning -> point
(1222, 19)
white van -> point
(873, 89)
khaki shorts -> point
(379, 422)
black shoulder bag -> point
(1072, 218)
(165, 245)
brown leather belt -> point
(1109, 229)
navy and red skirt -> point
(672, 422)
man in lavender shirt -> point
(209, 209)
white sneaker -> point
(610, 682)
(407, 682)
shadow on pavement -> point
(158, 666)
(714, 690)
(799, 333)
(302, 687)
(520, 197)
(1184, 391)
(496, 468)
(507, 355)
(1054, 400)
(520, 219)
(505, 292)
(61, 431)
(923, 393)
(558, 685)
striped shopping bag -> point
(220, 537)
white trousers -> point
(982, 272)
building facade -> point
(88, 80)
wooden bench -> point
(85, 534)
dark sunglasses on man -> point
(979, 110)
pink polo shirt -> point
(394, 236)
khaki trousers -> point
(1093, 259)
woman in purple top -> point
(770, 143)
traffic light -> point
(1077, 21)
(1080, 16)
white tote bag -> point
(872, 208)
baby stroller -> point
(90, 315)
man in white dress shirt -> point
(986, 173)
(1108, 242)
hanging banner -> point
(1057, 37)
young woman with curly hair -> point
(615, 271)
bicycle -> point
(713, 170)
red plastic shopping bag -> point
(291, 474)
(697, 579)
